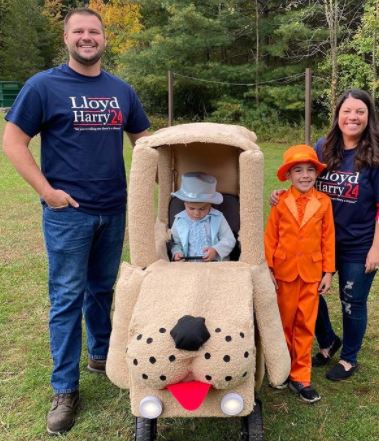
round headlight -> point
(232, 404)
(150, 407)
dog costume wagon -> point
(193, 339)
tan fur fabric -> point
(127, 291)
(200, 290)
(251, 209)
(260, 361)
(226, 294)
(141, 209)
(206, 133)
(271, 332)
(162, 236)
(165, 179)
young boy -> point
(299, 247)
(200, 230)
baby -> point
(200, 230)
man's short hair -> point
(82, 11)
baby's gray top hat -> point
(198, 187)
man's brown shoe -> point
(61, 417)
(97, 366)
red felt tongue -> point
(190, 394)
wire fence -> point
(305, 76)
(286, 79)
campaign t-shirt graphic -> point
(96, 113)
(340, 185)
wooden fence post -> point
(170, 78)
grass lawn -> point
(348, 411)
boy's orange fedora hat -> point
(295, 155)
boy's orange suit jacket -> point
(305, 250)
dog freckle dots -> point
(242, 335)
(135, 362)
(246, 354)
(162, 330)
(139, 337)
(144, 376)
(152, 360)
(149, 340)
(163, 377)
(207, 355)
(172, 358)
(226, 358)
(218, 330)
(208, 377)
(228, 338)
(228, 378)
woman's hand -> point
(274, 197)
(372, 260)
(325, 283)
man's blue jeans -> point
(354, 287)
(84, 253)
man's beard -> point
(86, 61)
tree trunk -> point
(331, 14)
(374, 46)
(256, 52)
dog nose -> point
(190, 333)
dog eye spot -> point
(162, 330)
(144, 376)
(244, 374)
(149, 340)
(228, 338)
(228, 378)
(242, 335)
(218, 330)
(152, 360)
(126, 350)
(246, 354)
(172, 358)
(135, 362)
(207, 355)
(208, 377)
(163, 377)
(139, 337)
(226, 358)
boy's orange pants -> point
(298, 305)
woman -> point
(351, 152)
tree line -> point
(233, 60)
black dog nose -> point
(190, 333)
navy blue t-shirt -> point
(354, 195)
(81, 120)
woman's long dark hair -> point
(368, 145)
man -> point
(81, 112)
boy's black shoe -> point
(338, 372)
(306, 393)
(61, 417)
(319, 359)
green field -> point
(348, 411)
